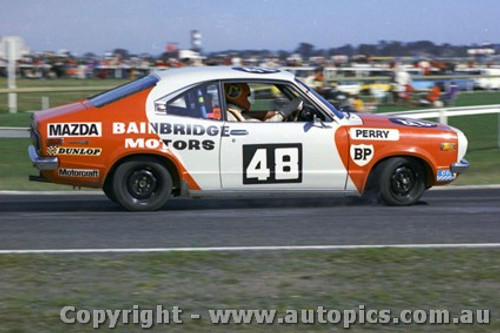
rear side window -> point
(201, 101)
(122, 91)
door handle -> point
(238, 132)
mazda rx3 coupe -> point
(236, 130)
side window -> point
(199, 102)
(268, 102)
(261, 102)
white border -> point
(98, 192)
(252, 248)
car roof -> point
(176, 78)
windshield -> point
(321, 98)
(123, 91)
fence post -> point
(443, 117)
(45, 102)
(11, 74)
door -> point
(189, 125)
(281, 156)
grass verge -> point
(35, 287)
(19, 119)
(483, 152)
(463, 99)
(33, 101)
(16, 166)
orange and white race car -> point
(236, 130)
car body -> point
(168, 135)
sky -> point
(140, 26)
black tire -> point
(401, 181)
(142, 184)
(108, 190)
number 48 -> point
(274, 165)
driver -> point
(238, 105)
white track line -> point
(253, 248)
(99, 192)
(75, 192)
(465, 187)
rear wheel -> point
(401, 181)
(142, 184)
(108, 190)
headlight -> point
(35, 139)
(34, 135)
(447, 146)
(462, 144)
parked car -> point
(491, 79)
(236, 130)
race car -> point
(205, 131)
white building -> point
(19, 48)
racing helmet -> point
(237, 93)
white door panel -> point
(195, 143)
(280, 156)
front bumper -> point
(460, 167)
(42, 163)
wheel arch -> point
(422, 160)
(165, 161)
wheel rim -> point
(142, 184)
(403, 181)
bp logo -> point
(362, 154)
(233, 90)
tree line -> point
(423, 48)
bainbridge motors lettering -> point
(169, 129)
(171, 135)
(191, 144)
(376, 134)
(57, 130)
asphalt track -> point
(94, 222)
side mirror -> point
(317, 121)
(160, 107)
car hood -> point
(372, 120)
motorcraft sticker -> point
(80, 173)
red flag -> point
(170, 47)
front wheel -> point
(142, 184)
(401, 181)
